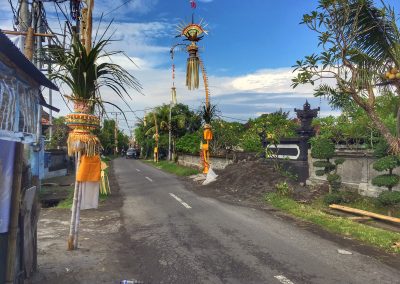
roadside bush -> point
(284, 189)
(251, 142)
(333, 198)
(386, 162)
(389, 198)
(189, 143)
(324, 149)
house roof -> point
(9, 50)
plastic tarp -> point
(211, 176)
(7, 150)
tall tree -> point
(359, 43)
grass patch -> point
(355, 200)
(370, 235)
(67, 203)
(173, 168)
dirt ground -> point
(100, 245)
(248, 182)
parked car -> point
(131, 153)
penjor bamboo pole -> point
(78, 214)
(74, 206)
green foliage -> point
(189, 143)
(357, 44)
(183, 122)
(85, 73)
(386, 163)
(377, 237)
(322, 148)
(226, 136)
(208, 112)
(283, 189)
(386, 180)
(381, 149)
(333, 198)
(106, 136)
(322, 164)
(339, 161)
(389, 198)
(251, 142)
(60, 133)
(334, 180)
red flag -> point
(193, 4)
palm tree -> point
(85, 73)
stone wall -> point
(356, 172)
(194, 161)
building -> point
(21, 103)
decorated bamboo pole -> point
(194, 33)
(78, 214)
(74, 209)
(156, 136)
(207, 132)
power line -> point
(123, 4)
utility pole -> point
(50, 98)
(115, 131)
(170, 132)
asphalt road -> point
(177, 236)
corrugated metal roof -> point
(8, 49)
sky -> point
(248, 52)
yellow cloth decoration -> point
(207, 133)
(89, 169)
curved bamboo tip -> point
(71, 243)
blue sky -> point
(248, 52)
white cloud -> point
(268, 81)
(119, 8)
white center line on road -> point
(283, 279)
(149, 179)
(137, 170)
(180, 201)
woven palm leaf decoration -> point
(173, 96)
(193, 33)
(82, 123)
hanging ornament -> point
(82, 123)
(193, 33)
(192, 67)
(173, 96)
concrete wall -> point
(194, 161)
(356, 172)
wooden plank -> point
(365, 213)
